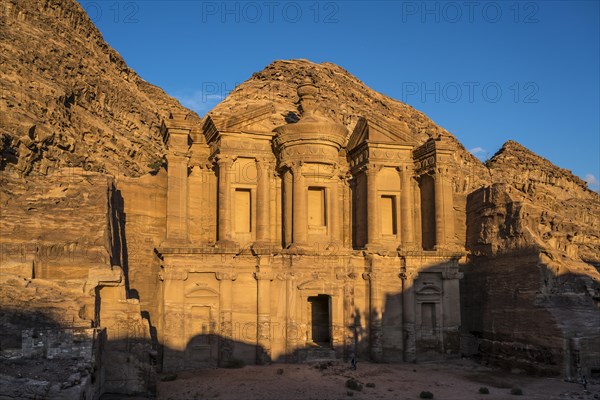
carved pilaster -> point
(300, 223)
(224, 215)
(375, 315)
(373, 222)
(408, 314)
(287, 207)
(263, 350)
(335, 206)
(263, 191)
(177, 194)
(173, 316)
(444, 210)
(291, 327)
(406, 207)
(225, 300)
(347, 215)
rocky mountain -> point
(551, 208)
(68, 99)
(531, 290)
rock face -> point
(69, 100)
(97, 233)
(566, 211)
(532, 289)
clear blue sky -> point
(487, 71)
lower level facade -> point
(224, 308)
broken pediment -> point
(253, 119)
(377, 130)
(429, 290)
(197, 290)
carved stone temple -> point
(307, 241)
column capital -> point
(176, 155)
(405, 169)
(225, 276)
(447, 275)
(224, 159)
(373, 169)
(296, 166)
(348, 177)
(267, 276)
(441, 171)
(263, 161)
(372, 276)
(408, 275)
(204, 165)
(343, 276)
(173, 275)
(285, 276)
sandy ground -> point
(458, 380)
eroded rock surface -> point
(68, 99)
(532, 289)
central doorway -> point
(320, 310)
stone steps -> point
(320, 354)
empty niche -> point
(316, 207)
(388, 215)
(428, 318)
(243, 212)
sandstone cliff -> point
(567, 213)
(72, 117)
(68, 99)
(532, 289)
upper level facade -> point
(309, 185)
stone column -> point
(349, 335)
(334, 207)
(287, 207)
(225, 303)
(212, 200)
(263, 351)
(173, 314)
(274, 215)
(177, 194)
(408, 316)
(337, 322)
(224, 223)
(263, 204)
(178, 128)
(300, 224)
(375, 315)
(449, 211)
(451, 309)
(440, 215)
(292, 329)
(347, 215)
(418, 238)
(406, 208)
(372, 206)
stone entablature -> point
(279, 242)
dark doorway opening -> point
(427, 187)
(321, 319)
